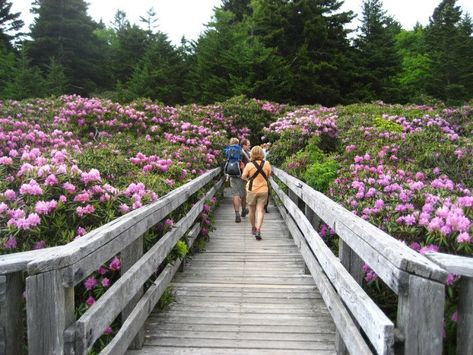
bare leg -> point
(259, 215)
(252, 215)
(236, 203)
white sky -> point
(186, 18)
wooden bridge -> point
(286, 294)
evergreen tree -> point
(416, 64)
(56, 81)
(64, 31)
(449, 42)
(239, 8)
(229, 61)
(159, 74)
(9, 22)
(7, 63)
(378, 59)
(311, 38)
(26, 80)
(150, 20)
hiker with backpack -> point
(234, 165)
(257, 173)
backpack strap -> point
(259, 170)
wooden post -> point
(129, 256)
(353, 263)
(465, 317)
(11, 314)
(50, 310)
(314, 221)
(420, 316)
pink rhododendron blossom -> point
(115, 264)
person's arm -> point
(245, 173)
(269, 170)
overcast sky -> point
(186, 18)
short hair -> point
(245, 141)
(256, 153)
(234, 141)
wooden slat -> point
(91, 324)
(143, 308)
(50, 309)
(420, 316)
(346, 327)
(238, 296)
(465, 317)
(15, 262)
(106, 240)
(455, 264)
(378, 328)
(357, 232)
(11, 313)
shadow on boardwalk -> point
(242, 296)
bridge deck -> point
(243, 296)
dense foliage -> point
(298, 52)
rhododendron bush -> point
(406, 169)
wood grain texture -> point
(103, 237)
(455, 264)
(89, 327)
(465, 317)
(420, 317)
(376, 325)
(356, 231)
(243, 296)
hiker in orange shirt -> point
(257, 173)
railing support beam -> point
(50, 310)
(420, 317)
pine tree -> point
(56, 81)
(64, 31)
(311, 38)
(448, 39)
(26, 80)
(230, 61)
(159, 74)
(7, 62)
(9, 22)
(378, 58)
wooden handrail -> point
(417, 281)
(53, 273)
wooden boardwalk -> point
(243, 296)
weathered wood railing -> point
(53, 273)
(463, 267)
(418, 282)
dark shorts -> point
(237, 187)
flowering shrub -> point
(406, 169)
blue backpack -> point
(233, 154)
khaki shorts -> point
(254, 198)
(237, 187)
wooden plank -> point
(346, 327)
(206, 350)
(50, 310)
(420, 316)
(11, 313)
(129, 256)
(465, 317)
(455, 264)
(103, 312)
(378, 328)
(138, 316)
(147, 215)
(357, 231)
(15, 262)
(78, 271)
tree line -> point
(295, 51)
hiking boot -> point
(258, 235)
(244, 213)
(237, 218)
